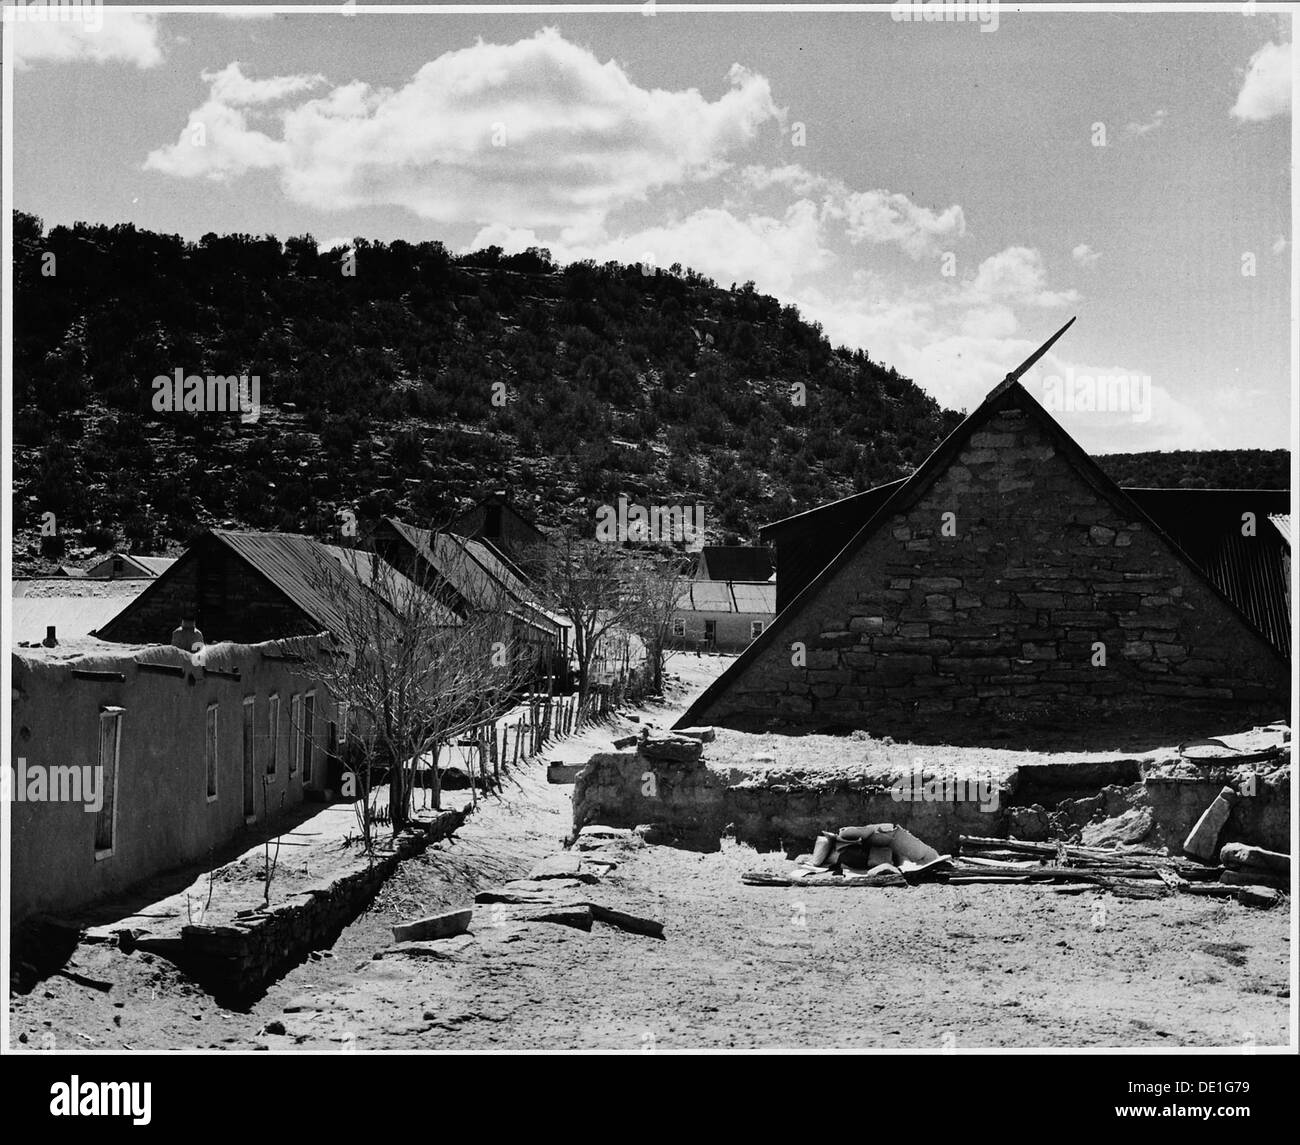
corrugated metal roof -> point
(1250, 571)
(119, 565)
(754, 597)
(728, 596)
(308, 573)
(156, 565)
(475, 572)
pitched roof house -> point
(467, 576)
(497, 523)
(722, 615)
(1009, 587)
(248, 587)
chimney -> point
(50, 641)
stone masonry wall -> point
(999, 627)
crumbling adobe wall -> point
(695, 803)
(1262, 818)
(962, 638)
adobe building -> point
(1010, 590)
(131, 761)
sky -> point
(941, 194)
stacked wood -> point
(1014, 850)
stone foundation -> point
(237, 961)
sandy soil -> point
(744, 967)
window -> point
(211, 740)
(250, 758)
(679, 626)
(110, 748)
(309, 734)
(295, 733)
(755, 629)
(273, 733)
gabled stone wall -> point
(1012, 597)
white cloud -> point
(879, 217)
(1084, 255)
(217, 144)
(539, 132)
(1266, 91)
(875, 217)
(1016, 275)
(1134, 129)
(120, 37)
(773, 251)
(231, 86)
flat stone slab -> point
(594, 838)
(549, 886)
(563, 866)
(563, 772)
(1241, 856)
(703, 735)
(446, 925)
(444, 951)
(673, 748)
(576, 915)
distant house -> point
(126, 566)
(1009, 586)
(248, 587)
(496, 521)
(130, 761)
(722, 616)
(467, 576)
(734, 562)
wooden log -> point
(1209, 890)
(1254, 878)
(991, 877)
(768, 879)
(1096, 856)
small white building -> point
(722, 616)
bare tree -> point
(411, 675)
(655, 585)
(587, 582)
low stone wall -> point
(236, 961)
(1262, 818)
(695, 803)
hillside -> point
(404, 379)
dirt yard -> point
(744, 967)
